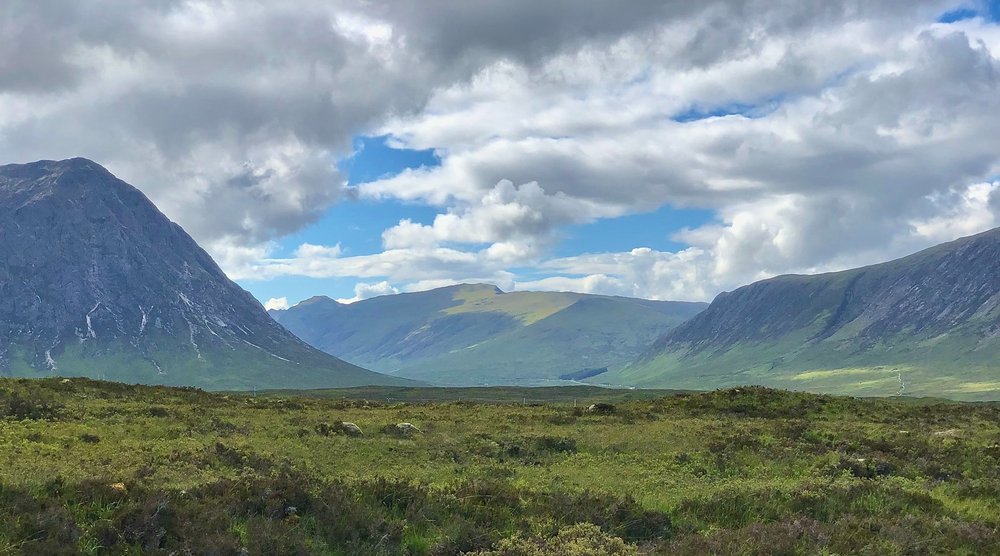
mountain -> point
(926, 324)
(474, 334)
(95, 281)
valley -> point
(520, 278)
(478, 335)
(129, 296)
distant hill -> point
(928, 324)
(476, 334)
(95, 281)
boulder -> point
(349, 429)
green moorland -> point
(104, 468)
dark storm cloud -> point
(530, 30)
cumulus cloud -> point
(961, 212)
(821, 134)
(367, 291)
(276, 304)
(874, 154)
(516, 222)
(400, 265)
(228, 114)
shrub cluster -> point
(290, 513)
(37, 406)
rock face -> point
(95, 281)
(933, 317)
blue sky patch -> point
(758, 110)
(357, 225)
(987, 9)
(648, 229)
(957, 14)
(374, 159)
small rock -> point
(950, 433)
(119, 487)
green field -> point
(578, 396)
(952, 368)
(104, 468)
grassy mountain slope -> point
(476, 334)
(928, 324)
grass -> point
(527, 307)
(947, 370)
(567, 395)
(93, 467)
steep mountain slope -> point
(927, 324)
(95, 281)
(475, 334)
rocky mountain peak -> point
(95, 276)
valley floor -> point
(91, 467)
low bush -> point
(582, 539)
(31, 405)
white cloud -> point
(868, 153)
(276, 304)
(516, 222)
(594, 283)
(229, 115)
(307, 250)
(367, 291)
(961, 212)
(866, 130)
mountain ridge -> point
(932, 316)
(474, 334)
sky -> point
(658, 149)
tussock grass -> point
(102, 468)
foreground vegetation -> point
(95, 468)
